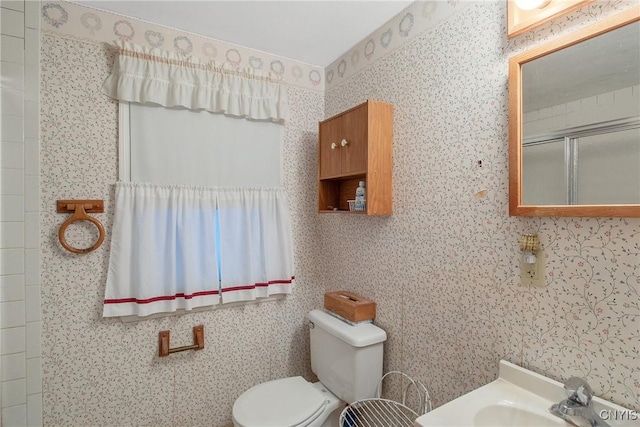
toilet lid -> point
(285, 402)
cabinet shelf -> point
(362, 173)
(341, 211)
(356, 145)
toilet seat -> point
(286, 402)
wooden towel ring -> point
(79, 208)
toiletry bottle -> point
(361, 199)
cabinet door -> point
(330, 149)
(354, 131)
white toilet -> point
(348, 361)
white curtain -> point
(179, 247)
(256, 249)
(163, 250)
(161, 77)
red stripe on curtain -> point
(257, 285)
(160, 298)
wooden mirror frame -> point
(520, 21)
(516, 208)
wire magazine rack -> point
(380, 412)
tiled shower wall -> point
(623, 102)
(445, 267)
(20, 324)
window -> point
(186, 147)
(201, 217)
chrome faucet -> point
(577, 409)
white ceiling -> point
(599, 65)
(315, 32)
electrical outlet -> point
(533, 274)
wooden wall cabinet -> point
(356, 145)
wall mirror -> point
(574, 123)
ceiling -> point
(599, 65)
(314, 32)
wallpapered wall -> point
(444, 267)
(99, 372)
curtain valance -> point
(160, 77)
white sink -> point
(507, 414)
(518, 397)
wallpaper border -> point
(407, 25)
(80, 22)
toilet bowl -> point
(286, 402)
(346, 358)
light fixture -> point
(529, 245)
(531, 4)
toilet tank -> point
(347, 359)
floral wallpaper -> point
(444, 268)
(105, 372)
(81, 22)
